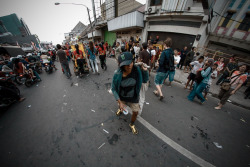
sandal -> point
(161, 98)
(134, 130)
(21, 99)
(155, 92)
(119, 112)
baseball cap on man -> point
(125, 58)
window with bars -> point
(245, 24)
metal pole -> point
(91, 25)
(93, 5)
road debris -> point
(29, 106)
(101, 146)
(110, 91)
(102, 124)
(65, 104)
(105, 131)
(76, 84)
(243, 120)
(64, 95)
(36, 85)
(147, 103)
(93, 110)
(217, 145)
(194, 117)
(229, 101)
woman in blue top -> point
(199, 87)
(92, 57)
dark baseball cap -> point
(125, 58)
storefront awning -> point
(130, 20)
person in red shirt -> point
(78, 57)
(102, 56)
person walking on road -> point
(202, 79)
(118, 50)
(63, 60)
(236, 81)
(230, 68)
(189, 59)
(126, 86)
(164, 67)
(183, 57)
(196, 66)
(92, 57)
(171, 74)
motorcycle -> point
(38, 67)
(27, 79)
(48, 66)
(7, 82)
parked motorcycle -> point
(7, 82)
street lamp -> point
(57, 3)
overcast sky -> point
(47, 20)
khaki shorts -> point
(135, 107)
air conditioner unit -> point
(151, 10)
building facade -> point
(14, 31)
(230, 28)
(184, 21)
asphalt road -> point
(67, 120)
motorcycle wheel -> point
(28, 82)
(18, 80)
(39, 71)
(13, 86)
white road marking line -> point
(101, 146)
(175, 145)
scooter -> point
(48, 66)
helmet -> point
(19, 56)
(12, 58)
(29, 54)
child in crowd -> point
(213, 76)
(196, 66)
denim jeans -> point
(94, 65)
(65, 66)
(197, 91)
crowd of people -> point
(131, 80)
(135, 63)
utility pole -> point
(91, 26)
(93, 5)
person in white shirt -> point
(153, 54)
(137, 51)
(213, 76)
(171, 74)
(195, 65)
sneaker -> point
(134, 130)
(161, 98)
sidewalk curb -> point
(213, 94)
